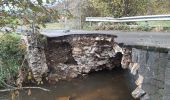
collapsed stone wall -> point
(69, 56)
(35, 57)
(150, 70)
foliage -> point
(125, 27)
(158, 7)
(31, 14)
(11, 56)
(107, 26)
(120, 8)
(24, 12)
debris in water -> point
(29, 92)
(63, 98)
(14, 95)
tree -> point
(24, 12)
(120, 8)
(31, 15)
(158, 7)
(134, 7)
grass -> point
(55, 25)
(155, 23)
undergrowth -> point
(11, 56)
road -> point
(154, 39)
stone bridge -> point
(146, 56)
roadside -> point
(150, 26)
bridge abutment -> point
(149, 70)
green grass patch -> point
(53, 26)
(155, 23)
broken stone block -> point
(134, 68)
(139, 81)
(77, 50)
(138, 92)
(97, 38)
(109, 39)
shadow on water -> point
(103, 85)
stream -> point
(103, 85)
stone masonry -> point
(151, 72)
(70, 56)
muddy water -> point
(104, 85)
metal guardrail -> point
(131, 19)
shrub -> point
(11, 55)
(166, 29)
